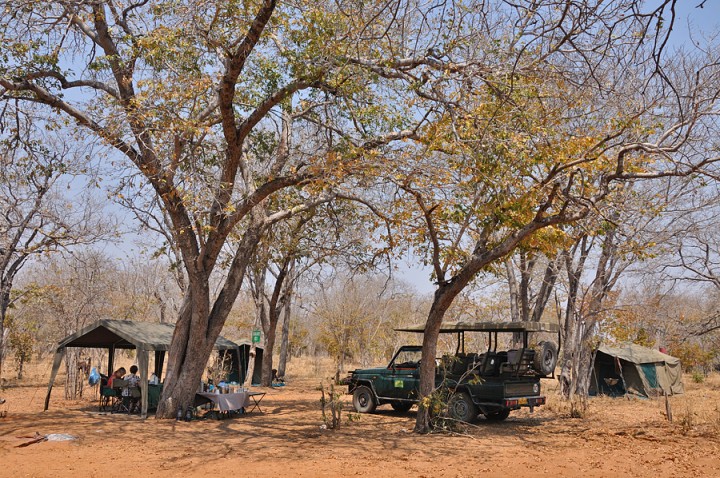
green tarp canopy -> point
(145, 337)
(634, 369)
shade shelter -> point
(634, 369)
(145, 337)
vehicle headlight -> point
(536, 388)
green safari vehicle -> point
(492, 383)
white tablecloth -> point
(227, 401)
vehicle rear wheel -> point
(364, 400)
(462, 408)
(401, 407)
(545, 358)
(497, 416)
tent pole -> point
(143, 364)
(56, 366)
(239, 363)
(622, 376)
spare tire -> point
(545, 358)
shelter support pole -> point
(56, 366)
(159, 360)
(142, 356)
(111, 360)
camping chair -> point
(134, 399)
(107, 395)
(120, 403)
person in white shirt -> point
(132, 380)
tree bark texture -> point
(4, 304)
(285, 341)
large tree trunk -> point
(444, 296)
(571, 340)
(566, 361)
(584, 370)
(190, 350)
(198, 327)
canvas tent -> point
(631, 368)
(239, 370)
(145, 337)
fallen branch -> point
(37, 438)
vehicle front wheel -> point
(364, 400)
(498, 416)
(401, 407)
(462, 408)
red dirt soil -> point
(616, 437)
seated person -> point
(131, 393)
(276, 378)
(118, 374)
(132, 378)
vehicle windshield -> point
(408, 358)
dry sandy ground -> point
(617, 437)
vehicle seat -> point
(518, 361)
(459, 365)
(491, 364)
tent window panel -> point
(650, 374)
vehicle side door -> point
(402, 379)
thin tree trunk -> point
(4, 305)
(267, 363)
(281, 295)
(514, 293)
(251, 366)
(285, 341)
(545, 291)
(526, 269)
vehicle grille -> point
(520, 389)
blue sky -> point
(692, 22)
